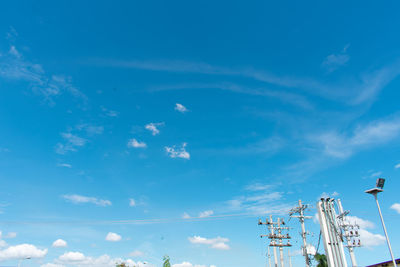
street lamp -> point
(374, 191)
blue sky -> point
(135, 129)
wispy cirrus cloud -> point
(73, 137)
(360, 88)
(260, 203)
(258, 187)
(340, 145)
(334, 61)
(79, 199)
(202, 214)
(109, 113)
(14, 66)
(285, 97)
(206, 213)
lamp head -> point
(380, 182)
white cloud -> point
(188, 264)
(72, 256)
(329, 195)
(65, 165)
(334, 61)
(186, 216)
(90, 129)
(52, 265)
(113, 237)
(216, 243)
(109, 113)
(13, 51)
(136, 253)
(152, 127)
(59, 243)
(259, 203)
(8, 235)
(396, 207)
(181, 108)
(375, 174)
(366, 136)
(365, 224)
(181, 152)
(136, 144)
(3, 243)
(77, 199)
(367, 238)
(13, 66)
(73, 141)
(78, 259)
(132, 202)
(22, 251)
(206, 213)
(397, 166)
(352, 91)
(258, 187)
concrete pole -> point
(272, 233)
(280, 243)
(303, 233)
(384, 229)
(290, 258)
(269, 258)
(349, 245)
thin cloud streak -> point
(13, 66)
(285, 97)
(351, 92)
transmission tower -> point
(300, 210)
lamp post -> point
(374, 191)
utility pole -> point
(280, 242)
(331, 233)
(276, 238)
(350, 233)
(300, 210)
(290, 258)
(269, 258)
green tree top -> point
(166, 261)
